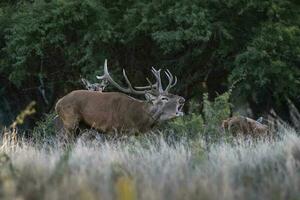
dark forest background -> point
(46, 45)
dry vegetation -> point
(152, 167)
(181, 162)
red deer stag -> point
(115, 111)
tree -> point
(207, 44)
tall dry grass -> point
(152, 167)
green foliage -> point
(50, 43)
(44, 128)
(216, 111)
(208, 123)
(192, 124)
(271, 61)
(65, 30)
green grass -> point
(153, 167)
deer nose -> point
(181, 100)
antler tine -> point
(156, 73)
(151, 86)
(175, 82)
(171, 78)
(85, 82)
(103, 77)
(130, 86)
(126, 78)
(106, 76)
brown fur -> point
(239, 125)
(107, 111)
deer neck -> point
(153, 113)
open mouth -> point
(179, 110)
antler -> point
(156, 74)
(130, 89)
(151, 86)
(155, 88)
(171, 83)
(85, 82)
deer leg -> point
(70, 128)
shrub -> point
(206, 123)
(214, 112)
(44, 128)
(191, 124)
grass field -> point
(152, 167)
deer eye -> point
(164, 99)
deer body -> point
(240, 125)
(106, 111)
(114, 111)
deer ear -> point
(150, 97)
